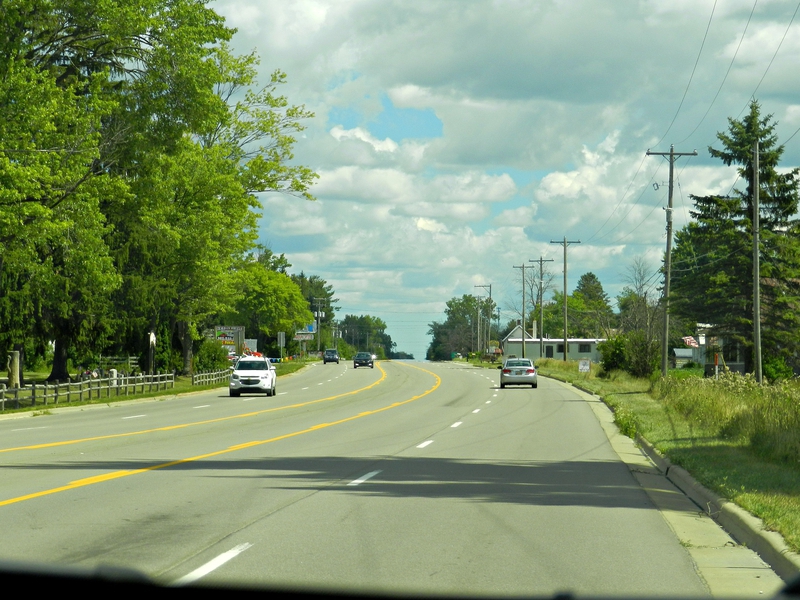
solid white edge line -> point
(363, 478)
(426, 443)
(456, 424)
(212, 565)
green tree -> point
(712, 261)
(595, 318)
(267, 302)
(459, 332)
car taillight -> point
(506, 371)
(531, 370)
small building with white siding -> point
(577, 348)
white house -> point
(577, 348)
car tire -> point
(234, 393)
(534, 385)
(502, 386)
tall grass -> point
(767, 417)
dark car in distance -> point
(330, 356)
(363, 359)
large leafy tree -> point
(133, 144)
(459, 331)
(712, 276)
(267, 302)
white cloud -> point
(431, 225)
(386, 145)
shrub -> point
(612, 354)
(211, 356)
(641, 354)
(775, 369)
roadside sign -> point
(584, 365)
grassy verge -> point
(183, 385)
(722, 451)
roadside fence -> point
(210, 377)
(90, 389)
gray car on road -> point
(518, 371)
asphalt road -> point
(409, 477)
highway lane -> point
(430, 479)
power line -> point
(753, 95)
(697, 60)
(641, 195)
(620, 200)
(724, 79)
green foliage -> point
(613, 354)
(712, 260)
(211, 356)
(458, 332)
(776, 369)
(767, 417)
(642, 354)
(132, 144)
(368, 334)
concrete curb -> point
(744, 527)
(747, 529)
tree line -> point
(133, 146)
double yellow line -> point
(125, 473)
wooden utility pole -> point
(565, 243)
(541, 262)
(756, 271)
(523, 306)
(489, 318)
(668, 259)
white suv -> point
(253, 374)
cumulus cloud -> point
(546, 111)
(386, 145)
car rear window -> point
(519, 363)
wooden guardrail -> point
(79, 391)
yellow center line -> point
(195, 423)
(125, 473)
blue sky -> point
(455, 139)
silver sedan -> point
(518, 371)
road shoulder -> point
(729, 568)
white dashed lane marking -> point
(363, 478)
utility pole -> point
(668, 259)
(756, 271)
(523, 306)
(565, 243)
(541, 262)
(489, 318)
(317, 313)
(478, 328)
